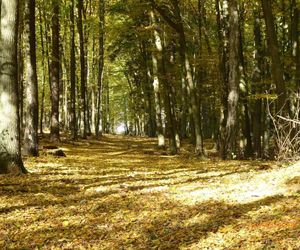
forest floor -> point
(121, 193)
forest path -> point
(122, 193)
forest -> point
(149, 124)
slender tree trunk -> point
(233, 80)
(156, 84)
(245, 89)
(21, 66)
(73, 118)
(32, 110)
(184, 109)
(171, 124)
(107, 108)
(42, 106)
(257, 78)
(47, 36)
(93, 78)
(100, 67)
(10, 150)
(277, 69)
(82, 68)
(55, 73)
(223, 69)
(65, 95)
(147, 90)
(296, 42)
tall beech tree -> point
(73, 116)
(83, 80)
(32, 109)
(156, 81)
(10, 151)
(55, 72)
(99, 117)
(223, 72)
(257, 76)
(295, 40)
(273, 47)
(233, 80)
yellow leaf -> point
(65, 223)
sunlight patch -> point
(241, 191)
(49, 164)
(155, 189)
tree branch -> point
(165, 16)
(287, 119)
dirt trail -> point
(120, 193)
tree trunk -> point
(171, 124)
(10, 151)
(32, 110)
(277, 69)
(21, 65)
(233, 80)
(248, 151)
(43, 74)
(296, 42)
(82, 69)
(99, 117)
(156, 84)
(257, 80)
(147, 90)
(55, 73)
(223, 89)
(73, 118)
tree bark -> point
(82, 69)
(277, 69)
(233, 80)
(55, 73)
(10, 150)
(296, 42)
(73, 118)
(223, 89)
(248, 150)
(256, 79)
(156, 83)
(32, 110)
(43, 73)
(99, 118)
(147, 90)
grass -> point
(120, 193)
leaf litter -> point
(114, 194)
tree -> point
(223, 70)
(100, 66)
(256, 79)
(10, 151)
(156, 82)
(73, 119)
(82, 69)
(32, 111)
(55, 72)
(277, 69)
(295, 40)
(233, 79)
